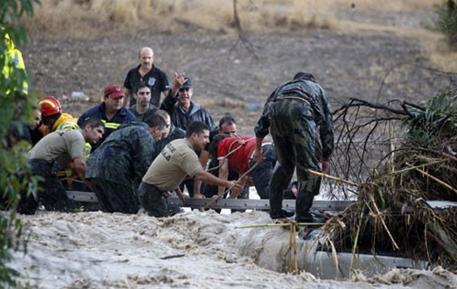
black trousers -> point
(154, 201)
(261, 174)
(51, 191)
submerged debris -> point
(392, 214)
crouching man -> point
(116, 167)
(176, 161)
(53, 153)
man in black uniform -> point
(149, 74)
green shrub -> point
(436, 122)
(447, 20)
(15, 177)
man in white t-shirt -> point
(176, 161)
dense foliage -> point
(435, 122)
(14, 109)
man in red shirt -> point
(236, 153)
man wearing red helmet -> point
(111, 111)
(53, 153)
(52, 116)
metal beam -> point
(237, 204)
(244, 204)
(80, 196)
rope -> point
(218, 196)
(293, 262)
(333, 178)
(230, 152)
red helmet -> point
(50, 106)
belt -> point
(294, 98)
(151, 186)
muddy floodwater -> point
(191, 250)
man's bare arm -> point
(212, 180)
(78, 165)
(223, 173)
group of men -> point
(134, 150)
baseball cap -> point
(114, 91)
(187, 83)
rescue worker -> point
(184, 111)
(14, 63)
(116, 167)
(111, 111)
(176, 161)
(53, 118)
(52, 153)
(292, 114)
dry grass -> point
(390, 214)
(394, 5)
(83, 18)
(441, 55)
(95, 18)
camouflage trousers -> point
(114, 197)
(294, 134)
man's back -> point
(238, 150)
(307, 89)
(124, 156)
(121, 117)
(171, 166)
(175, 133)
(65, 121)
(62, 145)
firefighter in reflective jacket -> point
(111, 111)
(52, 116)
(54, 119)
(14, 63)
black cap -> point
(187, 83)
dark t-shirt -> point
(155, 79)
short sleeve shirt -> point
(238, 150)
(176, 161)
(61, 146)
(155, 79)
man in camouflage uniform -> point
(292, 113)
(116, 167)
